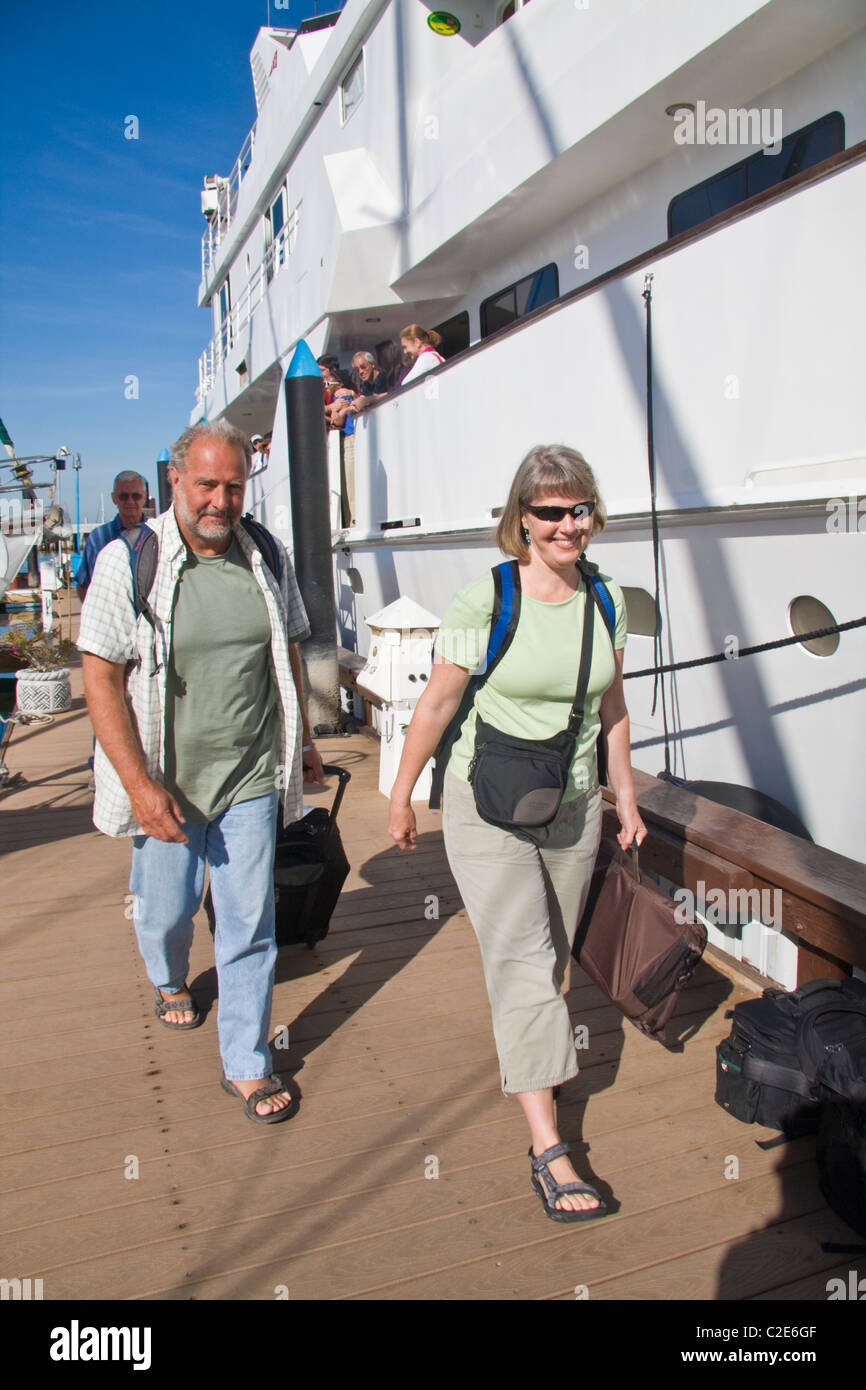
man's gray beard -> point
(224, 531)
(192, 524)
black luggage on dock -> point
(310, 868)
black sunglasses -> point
(579, 511)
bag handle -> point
(635, 866)
(344, 776)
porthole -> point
(806, 614)
(641, 612)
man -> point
(369, 380)
(129, 496)
(199, 713)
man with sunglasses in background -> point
(129, 497)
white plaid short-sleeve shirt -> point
(109, 629)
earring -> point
(526, 535)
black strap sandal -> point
(273, 1086)
(552, 1191)
(173, 1005)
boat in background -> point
(14, 549)
(535, 184)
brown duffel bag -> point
(630, 943)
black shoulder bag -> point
(519, 783)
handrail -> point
(227, 200)
(251, 296)
(816, 174)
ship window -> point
(808, 614)
(640, 612)
(352, 88)
(275, 241)
(225, 322)
(454, 333)
(760, 171)
(506, 306)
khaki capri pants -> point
(525, 892)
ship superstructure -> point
(527, 185)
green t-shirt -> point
(222, 726)
(530, 692)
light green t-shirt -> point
(530, 692)
(222, 726)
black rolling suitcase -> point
(310, 868)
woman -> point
(419, 351)
(525, 891)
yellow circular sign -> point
(441, 22)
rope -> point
(747, 651)
(651, 460)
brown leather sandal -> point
(272, 1086)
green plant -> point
(42, 652)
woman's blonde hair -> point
(548, 470)
(421, 335)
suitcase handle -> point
(345, 777)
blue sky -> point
(100, 235)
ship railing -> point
(241, 312)
(228, 191)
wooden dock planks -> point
(392, 1060)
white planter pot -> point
(43, 692)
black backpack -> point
(145, 554)
(788, 1053)
(797, 1062)
(841, 1155)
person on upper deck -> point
(525, 889)
(370, 387)
(333, 376)
(419, 351)
(389, 355)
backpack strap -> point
(503, 625)
(143, 559)
(268, 545)
(507, 594)
(145, 555)
(771, 1074)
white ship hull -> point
(757, 369)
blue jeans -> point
(167, 882)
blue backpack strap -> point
(505, 616)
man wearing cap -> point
(257, 460)
(129, 497)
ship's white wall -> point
(414, 160)
(768, 304)
(625, 222)
(751, 325)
